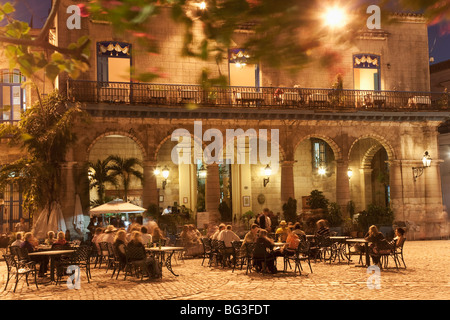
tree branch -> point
(50, 20)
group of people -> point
(190, 238)
(29, 242)
(136, 235)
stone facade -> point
(361, 140)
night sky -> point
(439, 41)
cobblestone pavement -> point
(427, 277)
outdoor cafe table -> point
(51, 254)
(167, 261)
(366, 248)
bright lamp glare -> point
(335, 17)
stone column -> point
(366, 186)
(287, 181)
(212, 197)
(150, 194)
(396, 177)
(342, 185)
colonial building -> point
(362, 140)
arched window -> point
(12, 95)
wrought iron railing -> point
(262, 97)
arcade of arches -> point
(379, 155)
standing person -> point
(264, 220)
(21, 226)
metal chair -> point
(207, 250)
(19, 269)
(302, 253)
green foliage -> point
(100, 174)
(248, 215)
(124, 169)
(290, 210)
(374, 215)
(153, 211)
(317, 200)
(334, 215)
(45, 133)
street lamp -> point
(157, 171)
(426, 161)
(165, 174)
(267, 173)
(322, 170)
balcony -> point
(255, 98)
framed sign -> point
(246, 200)
(161, 198)
(185, 200)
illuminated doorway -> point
(242, 72)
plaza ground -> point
(426, 277)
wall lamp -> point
(165, 174)
(349, 173)
(426, 161)
(267, 173)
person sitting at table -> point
(322, 229)
(228, 236)
(19, 240)
(147, 264)
(50, 238)
(282, 232)
(264, 252)
(250, 237)
(60, 240)
(399, 238)
(291, 244)
(221, 227)
(109, 234)
(158, 236)
(378, 244)
(29, 244)
(119, 244)
(191, 240)
(298, 230)
(146, 237)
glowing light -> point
(202, 5)
(335, 17)
(322, 171)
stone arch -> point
(383, 141)
(368, 156)
(269, 139)
(334, 146)
(161, 143)
(121, 133)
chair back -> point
(206, 242)
(22, 254)
(14, 250)
(10, 261)
(250, 248)
(82, 254)
(104, 251)
(134, 253)
(303, 247)
(323, 241)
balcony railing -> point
(262, 97)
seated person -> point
(250, 237)
(148, 264)
(264, 252)
(18, 242)
(228, 236)
(378, 245)
(291, 245)
(282, 232)
(50, 238)
(60, 241)
(29, 244)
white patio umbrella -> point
(116, 206)
(44, 223)
(78, 217)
